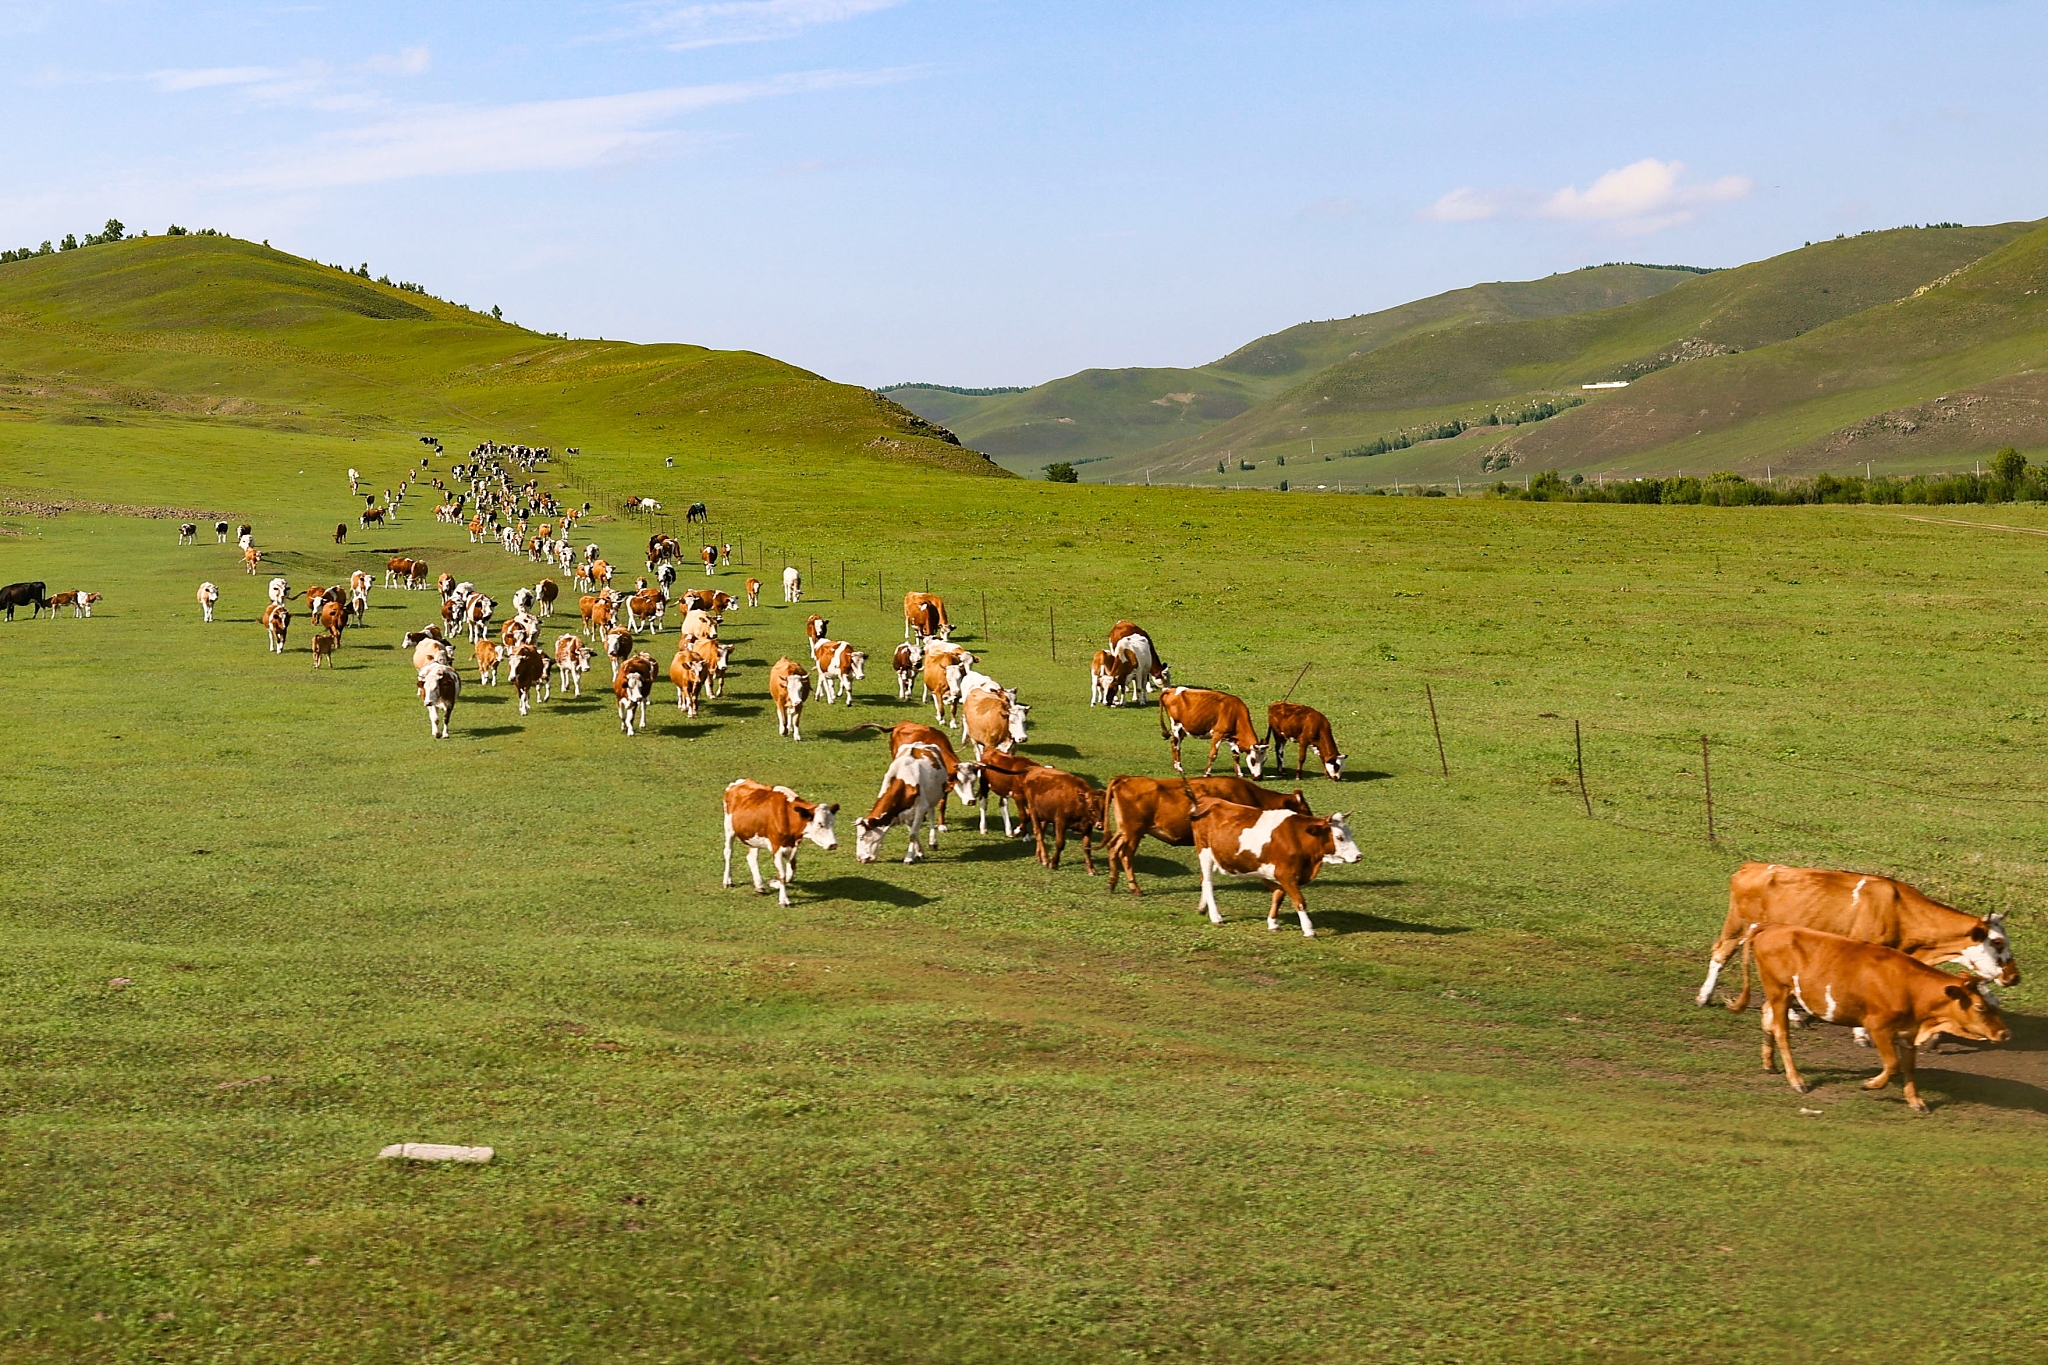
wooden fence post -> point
(1053, 630)
(1707, 780)
(1441, 761)
(984, 613)
(1579, 753)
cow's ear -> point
(1958, 992)
(833, 808)
(1979, 934)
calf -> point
(487, 657)
(1899, 1001)
(788, 685)
(792, 585)
(208, 595)
(1130, 640)
(572, 658)
(323, 648)
(1107, 675)
(62, 601)
(912, 789)
(709, 554)
(1064, 801)
(187, 533)
(840, 666)
(775, 819)
(1873, 909)
(908, 659)
(1139, 806)
(686, 671)
(277, 621)
(529, 668)
(1215, 716)
(753, 592)
(634, 684)
(1282, 849)
(85, 603)
(439, 685)
(1309, 729)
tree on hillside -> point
(114, 231)
(70, 243)
(2009, 465)
(1061, 472)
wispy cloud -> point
(407, 61)
(207, 77)
(715, 24)
(1644, 196)
(542, 135)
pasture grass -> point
(974, 1110)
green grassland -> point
(972, 1109)
(1114, 415)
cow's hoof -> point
(1308, 933)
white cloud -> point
(407, 61)
(751, 21)
(543, 135)
(206, 78)
(1644, 196)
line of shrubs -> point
(2010, 479)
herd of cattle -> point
(1838, 947)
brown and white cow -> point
(1139, 806)
(717, 662)
(572, 661)
(912, 790)
(909, 658)
(644, 609)
(487, 656)
(597, 614)
(61, 601)
(753, 592)
(709, 554)
(1898, 1001)
(251, 557)
(1309, 729)
(1107, 674)
(1002, 777)
(1281, 848)
(924, 617)
(529, 670)
(277, 621)
(1147, 668)
(686, 671)
(840, 666)
(1063, 801)
(993, 719)
(439, 685)
(789, 685)
(909, 732)
(1215, 716)
(1873, 909)
(85, 603)
(618, 647)
(208, 596)
(633, 684)
(816, 628)
(775, 819)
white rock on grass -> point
(434, 1151)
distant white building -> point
(1607, 384)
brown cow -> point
(686, 671)
(544, 593)
(1064, 801)
(944, 666)
(1873, 909)
(1215, 716)
(776, 819)
(333, 617)
(323, 648)
(1309, 729)
(1107, 674)
(618, 647)
(1282, 849)
(1131, 640)
(1900, 1002)
(529, 669)
(908, 658)
(645, 608)
(633, 685)
(789, 684)
(909, 732)
(993, 720)
(1162, 809)
(277, 620)
(717, 660)
(1002, 776)
(924, 617)
(753, 592)
(488, 655)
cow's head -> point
(1990, 953)
(1342, 850)
(967, 783)
(867, 839)
(1298, 803)
(1964, 1012)
(724, 655)
(818, 824)
(1019, 713)
(858, 660)
(799, 688)
(1255, 760)
(1333, 768)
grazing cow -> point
(1282, 849)
(340, 532)
(1107, 674)
(251, 557)
(277, 621)
(909, 659)
(572, 659)
(28, 595)
(62, 601)
(220, 533)
(371, 516)
(1163, 809)
(618, 647)
(924, 617)
(709, 554)
(1002, 777)
(1215, 716)
(753, 592)
(1897, 1000)
(909, 732)
(697, 512)
(993, 719)
(775, 819)
(816, 628)
(1874, 909)
(1147, 668)
(545, 592)
(912, 789)
(333, 618)
(788, 685)
(488, 656)
(686, 671)
(529, 669)
(208, 595)
(840, 666)
(634, 684)
(323, 648)
(645, 608)
(1309, 729)
(188, 533)
(439, 685)
(792, 585)
(1064, 801)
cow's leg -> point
(1214, 745)
(1892, 1054)
(914, 852)
(1776, 1011)
(1038, 839)
(754, 867)
(1716, 960)
(1088, 848)
(727, 882)
(1208, 901)
(1059, 839)
(1908, 1054)
(1176, 749)
(783, 862)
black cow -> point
(28, 595)
(697, 512)
(220, 532)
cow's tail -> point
(870, 725)
(1741, 1002)
(1109, 803)
(1164, 731)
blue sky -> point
(978, 192)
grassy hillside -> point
(229, 334)
(1099, 415)
(1659, 343)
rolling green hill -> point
(212, 330)
(1731, 322)
(1099, 415)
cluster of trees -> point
(2010, 479)
(950, 388)
(114, 231)
(1058, 472)
(1691, 269)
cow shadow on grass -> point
(867, 890)
(386, 648)
(481, 697)
(681, 731)
(1360, 922)
(495, 731)
(1999, 1092)
(732, 708)
(1056, 750)
(998, 850)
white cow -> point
(439, 686)
(208, 595)
(792, 585)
